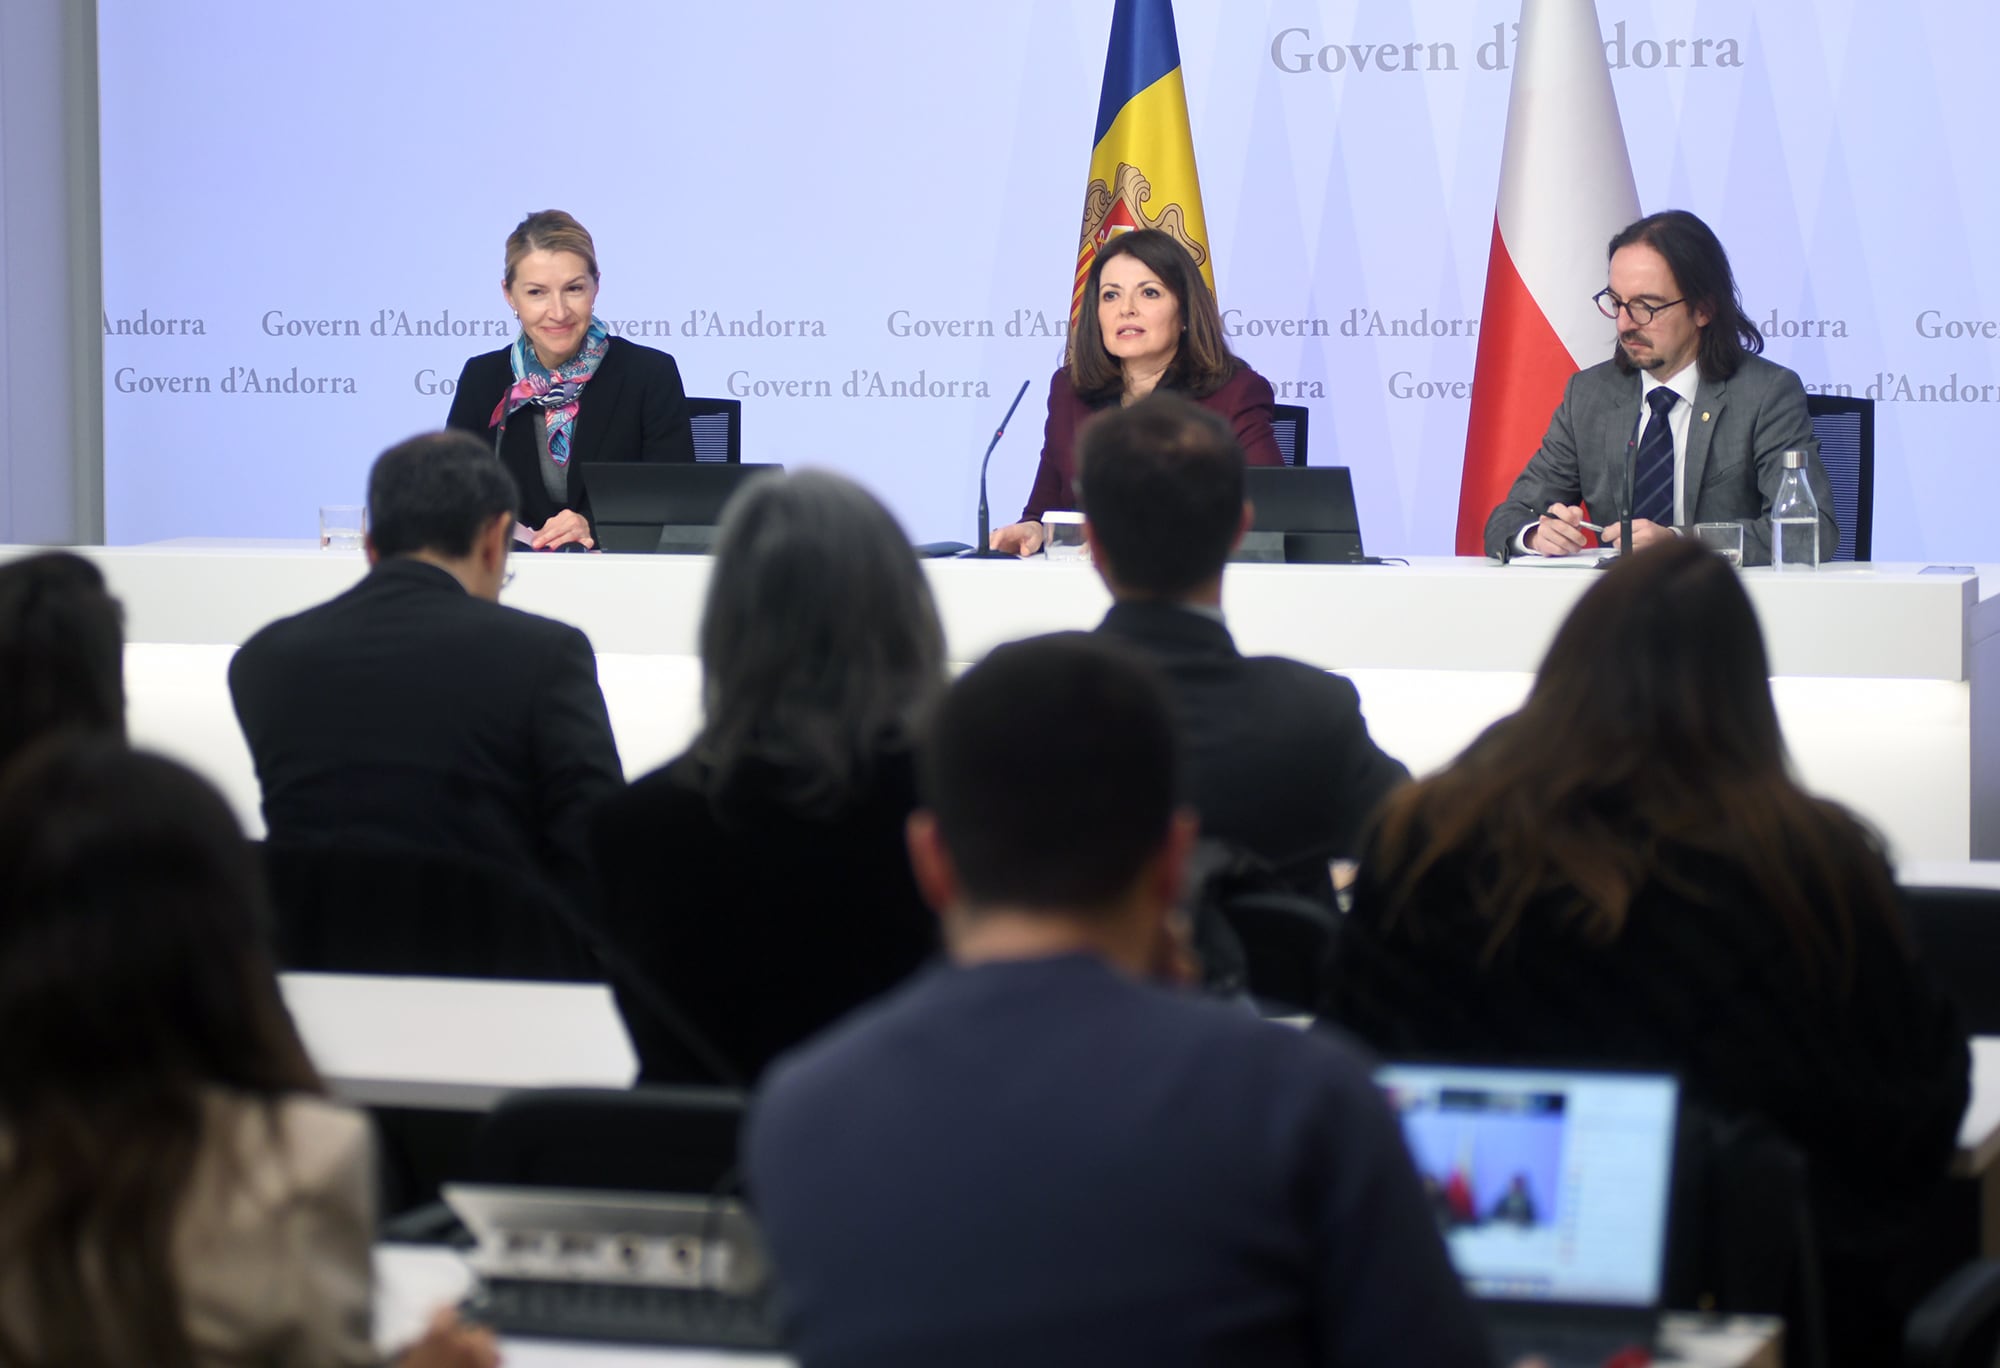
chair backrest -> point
(1258, 928)
(644, 1139)
(1958, 1324)
(1958, 935)
(1845, 428)
(1289, 422)
(366, 910)
(718, 430)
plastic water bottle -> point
(1794, 519)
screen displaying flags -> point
(1565, 191)
(1142, 171)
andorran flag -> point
(1142, 159)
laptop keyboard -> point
(607, 1312)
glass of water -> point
(342, 527)
(1725, 539)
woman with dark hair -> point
(757, 885)
(175, 1191)
(588, 396)
(62, 651)
(1625, 871)
(1149, 322)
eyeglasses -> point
(1638, 310)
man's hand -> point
(1644, 534)
(1558, 533)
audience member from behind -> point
(62, 651)
(414, 710)
(1625, 871)
(1279, 755)
(758, 882)
(1040, 1153)
(175, 1190)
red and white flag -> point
(1565, 191)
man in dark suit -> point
(414, 710)
(1704, 419)
(1280, 761)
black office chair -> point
(367, 910)
(718, 430)
(1958, 1324)
(1260, 930)
(1288, 422)
(1846, 431)
(644, 1139)
(1958, 934)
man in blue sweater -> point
(1043, 1154)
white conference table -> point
(412, 1280)
(1884, 676)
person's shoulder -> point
(493, 363)
(1246, 386)
(277, 1148)
(1330, 695)
(551, 632)
(669, 795)
(824, 1070)
(637, 357)
(1756, 372)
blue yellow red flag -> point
(1142, 171)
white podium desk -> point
(1884, 677)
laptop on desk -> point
(1301, 515)
(1552, 1189)
(662, 506)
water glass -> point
(1064, 541)
(342, 527)
(1725, 539)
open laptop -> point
(662, 506)
(1552, 1189)
(1302, 515)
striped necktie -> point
(1653, 471)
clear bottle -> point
(1794, 518)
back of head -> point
(1162, 484)
(820, 642)
(1052, 770)
(132, 979)
(61, 651)
(1701, 268)
(436, 493)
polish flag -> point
(1565, 191)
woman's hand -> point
(565, 527)
(1022, 538)
(448, 1344)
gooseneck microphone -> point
(982, 549)
(1624, 506)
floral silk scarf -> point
(557, 391)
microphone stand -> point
(1624, 506)
(983, 550)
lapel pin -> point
(1704, 415)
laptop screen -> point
(1550, 1185)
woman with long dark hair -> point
(1149, 321)
(1625, 871)
(175, 1190)
(758, 882)
(62, 651)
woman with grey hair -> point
(755, 888)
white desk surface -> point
(1949, 873)
(1979, 1131)
(412, 1280)
(456, 1044)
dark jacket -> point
(760, 925)
(1278, 755)
(633, 409)
(407, 712)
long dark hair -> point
(1649, 734)
(62, 644)
(1201, 366)
(133, 979)
(820, 644)
(1701, 268)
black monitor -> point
(656, 506)
(1302, 514)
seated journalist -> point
(62, 651)
(758, 881)
(566, 393)
(1149, 322)
(1704, 418)
(1044, 1152)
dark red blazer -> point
(1244, 401)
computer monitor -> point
(662, 506)
(1302, 515)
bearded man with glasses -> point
(1686, 397)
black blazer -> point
(408, 713)
(633, 409)
(1279, 758)
(760, 927)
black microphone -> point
(1624, 505)
(982, 550)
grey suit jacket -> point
(1739, 429)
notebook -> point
(1551, 1187)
